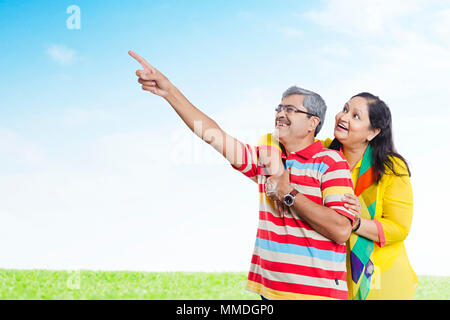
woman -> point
(377, 264)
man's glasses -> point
(290, 109)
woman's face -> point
(352, 127)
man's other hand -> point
(277, 186)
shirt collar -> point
(309, 151)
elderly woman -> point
(377, 264)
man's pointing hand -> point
(151, 79)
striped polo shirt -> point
(290, 259)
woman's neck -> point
(354, 154)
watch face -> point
(288, 200)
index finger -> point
(141, 60)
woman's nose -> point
(344, 117)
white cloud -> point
(62, 54)
(291, 32)
(441, 26)
(395, 49)
(369, 17)
(122, 203)
(77, 116)
(19, 152)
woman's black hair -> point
(382, 144)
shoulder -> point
(334, 160)
(327, 142)
(336, 172)
(396, 176)
(267, 140)
(330, 155)
(397, 186)
(397, 165)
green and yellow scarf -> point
(361, 249)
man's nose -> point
(282, 113)
(281, 116)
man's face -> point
(290, 126)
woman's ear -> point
(373, 134)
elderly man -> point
(300, 254)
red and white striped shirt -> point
(290, 259)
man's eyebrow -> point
(288, 105)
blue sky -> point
(88, 159)
(206, 47)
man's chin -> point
(276, 134)
(280, 135)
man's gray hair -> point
(312, 102)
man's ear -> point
(313, 123)
(373, 134)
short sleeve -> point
(335, 183)
(250, 161)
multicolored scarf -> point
(361, 249)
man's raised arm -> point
(206, 128)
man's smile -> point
(282, 122)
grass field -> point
(44, 284)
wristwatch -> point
(289, 198)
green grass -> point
(45, 284)
(433, 288)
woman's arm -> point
(396, 218)
(368, 229)
(324, 220)
(395, 222)
(206, 128)
(332, 219)
(361, 226)
(364, 227)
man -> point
(300, 254)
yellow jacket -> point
(393, 277)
